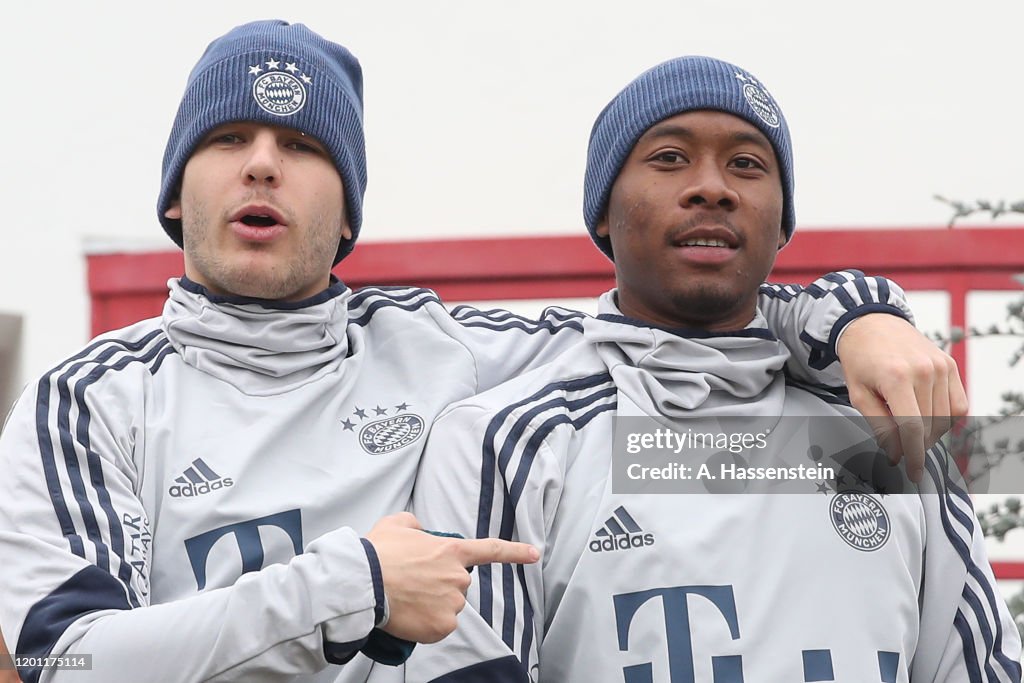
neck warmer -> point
(673, 372)
(260, 347)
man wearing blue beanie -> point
(675, 87)
(308, 84)
(713, 259)
(209, 494)
(781, 546)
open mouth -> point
(258, 216)
(703, 242)
(258, 221)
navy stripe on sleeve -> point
(970, 654)
(990, 627)
(863, 290)
(529, 328)
(489, 472)
(788, 292)
(824, 354)
(552, 320)
(816, 291)
(503, 670)
(381, 303)
(514, 490)
(342, 653)
(489, 461)
(386, 649)
(95, 467)
(843, 276)
(571, 402)
(883, 289)
(89, 590)
(74, 441)
(393, 295)
(844, 298)
(939, 457)
(496, 459)
(43, 435)
(378, 581)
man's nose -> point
(263, 163)
(708, 186)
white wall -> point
(478, 114)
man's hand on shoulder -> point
(906, 385)
(426, 576)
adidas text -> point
(623, 542)
(192, 490)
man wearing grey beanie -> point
(780, 548)
(208, 495)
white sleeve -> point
(967, 632)
(74, 578)
(468, 484)
(505, 345)
(809, 320)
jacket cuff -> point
(380, 608)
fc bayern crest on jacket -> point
(385, 434)
(860, 520)
(280, 91)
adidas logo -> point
(197, 480)
(620, 532)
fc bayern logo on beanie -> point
(279, 92)
(759, 100)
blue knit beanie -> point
(673, 87)
(280, 74)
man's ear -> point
(346, 231)
(782, 238)
(602, 229)
(174, 210)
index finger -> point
(477, 551)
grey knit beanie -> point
(281, 74)
(674, 87)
